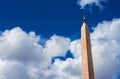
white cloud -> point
(12, 70)
(84, 3)
(57, 46)
(21, 54)
(106, 47)
(14, 44)
(22, 57)
(75, 48)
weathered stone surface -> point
(87, 63)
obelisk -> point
(87, 62)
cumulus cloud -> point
(12, 69)
(23, 57)
(21, 53)
(84, 3)
(106, 47)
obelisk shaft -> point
(87, 62)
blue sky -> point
(48, 17)
(40, 39)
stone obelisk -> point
(87, 62)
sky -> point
(48, 17)
(41, 39)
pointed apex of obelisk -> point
(84, 25)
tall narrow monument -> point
(87, 62)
